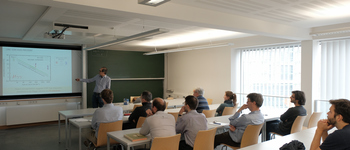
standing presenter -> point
(102, 82)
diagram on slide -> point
(29, 68)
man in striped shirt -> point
(202, 102)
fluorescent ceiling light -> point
(129, 38)
(188, 37)
(152, 2)
(189, 48)
(331, 11)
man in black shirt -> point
(339, 117)
(146, 98)
(284, 125)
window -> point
(272, 71)
(334, 70)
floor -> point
(41, 137)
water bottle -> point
(126, 101)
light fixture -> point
(189, 48)
(152, 2)
(129, 38)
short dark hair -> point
(107, 95)
(157, 102)
(342, 107)
(231, 95)
(104, 70)
(191, 101)
(300, 96)
(256, 97)
(147, 95)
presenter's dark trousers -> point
(96, 100)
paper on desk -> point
(219, 123)
(81, 120)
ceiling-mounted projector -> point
(54, 34)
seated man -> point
(284, 125)
(202, 102)
(108, 113)
(146, 98)
(238, 124)
(159, 123)
(190, 123)
(339, 117)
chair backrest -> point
(251, 135)
(107, 127)
(170, 98)
(140, 122)
(204, 140)
(138, 105)
(229, 110)
(168, 143)
(132, 98)
(209, 113)
(175, 114)
(298, 124)
(210, 101)
(314, 119)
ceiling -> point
(107, 20)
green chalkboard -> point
(127, 64)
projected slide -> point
(37, 68)
(36, 71)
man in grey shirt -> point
(159, 123)
(190, 123)
(238, 124)
(108, 113)
(102, 82)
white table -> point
(175, 103)
(84, 124)
(71, 114)
(67, 114)
(304, 136)
(119, 137)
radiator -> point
(36, 113)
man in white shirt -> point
(159, 123)
(108, 113)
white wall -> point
(207, 68)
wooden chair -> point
(229, 110)
(140, 122)
(175, 114)
(132, 98)
(210, 101)
(205, 140)
(250, 136)
(209, 113)
(102, 133)
(313, 120)
(296, 127)
(138, 105)
(166, 107)
(166, 143)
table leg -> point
(79, 138)
(108, 146)
(66, 133)
(59, 128)
(263, 133)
